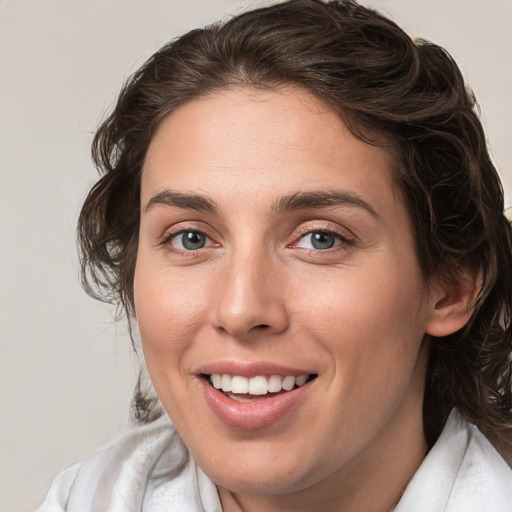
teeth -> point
(288, 383)
(275, 383)
(216, 380)
(239, 385)
(259, 385)
(300, 381)
(225, 383)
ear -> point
(453, 303)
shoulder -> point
(58, 493)
(146, 463)
(483, 477)
(462, 473)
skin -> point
(356, 314)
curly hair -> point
(409, 92)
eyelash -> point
(305, 231)
(343, 239)
(168, 238)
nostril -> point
(262, 326)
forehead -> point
(251, 143)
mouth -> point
(257, 388)
(250, 396)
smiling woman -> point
(278, 312)
(298, 209)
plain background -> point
(66, 368)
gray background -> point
(66, 369)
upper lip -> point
(252, 369)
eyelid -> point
(343, 233)
(184, 227)
(171, 236)
(334, 236)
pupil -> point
(322, 241)
(192, 240)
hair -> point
(380, 81)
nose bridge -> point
(247, 295)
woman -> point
(298, 208)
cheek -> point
(168, 310)
(370, 322)
(364, 300)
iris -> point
(192, 240)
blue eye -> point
(319, 240)
(189, 240)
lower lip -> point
(253, 415)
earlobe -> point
(453, 303)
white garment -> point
(461, 473)
(149, 470)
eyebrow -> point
(181, 200)
(322, 199)
(296, 201)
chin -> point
(262, 484)
(270, 476)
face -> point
(280, 304)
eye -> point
(319, 240)
(189, 240)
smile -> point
(252, 402)
(259, 385)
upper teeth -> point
(259, 385)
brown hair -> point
(380, 81)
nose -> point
(249, 299)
